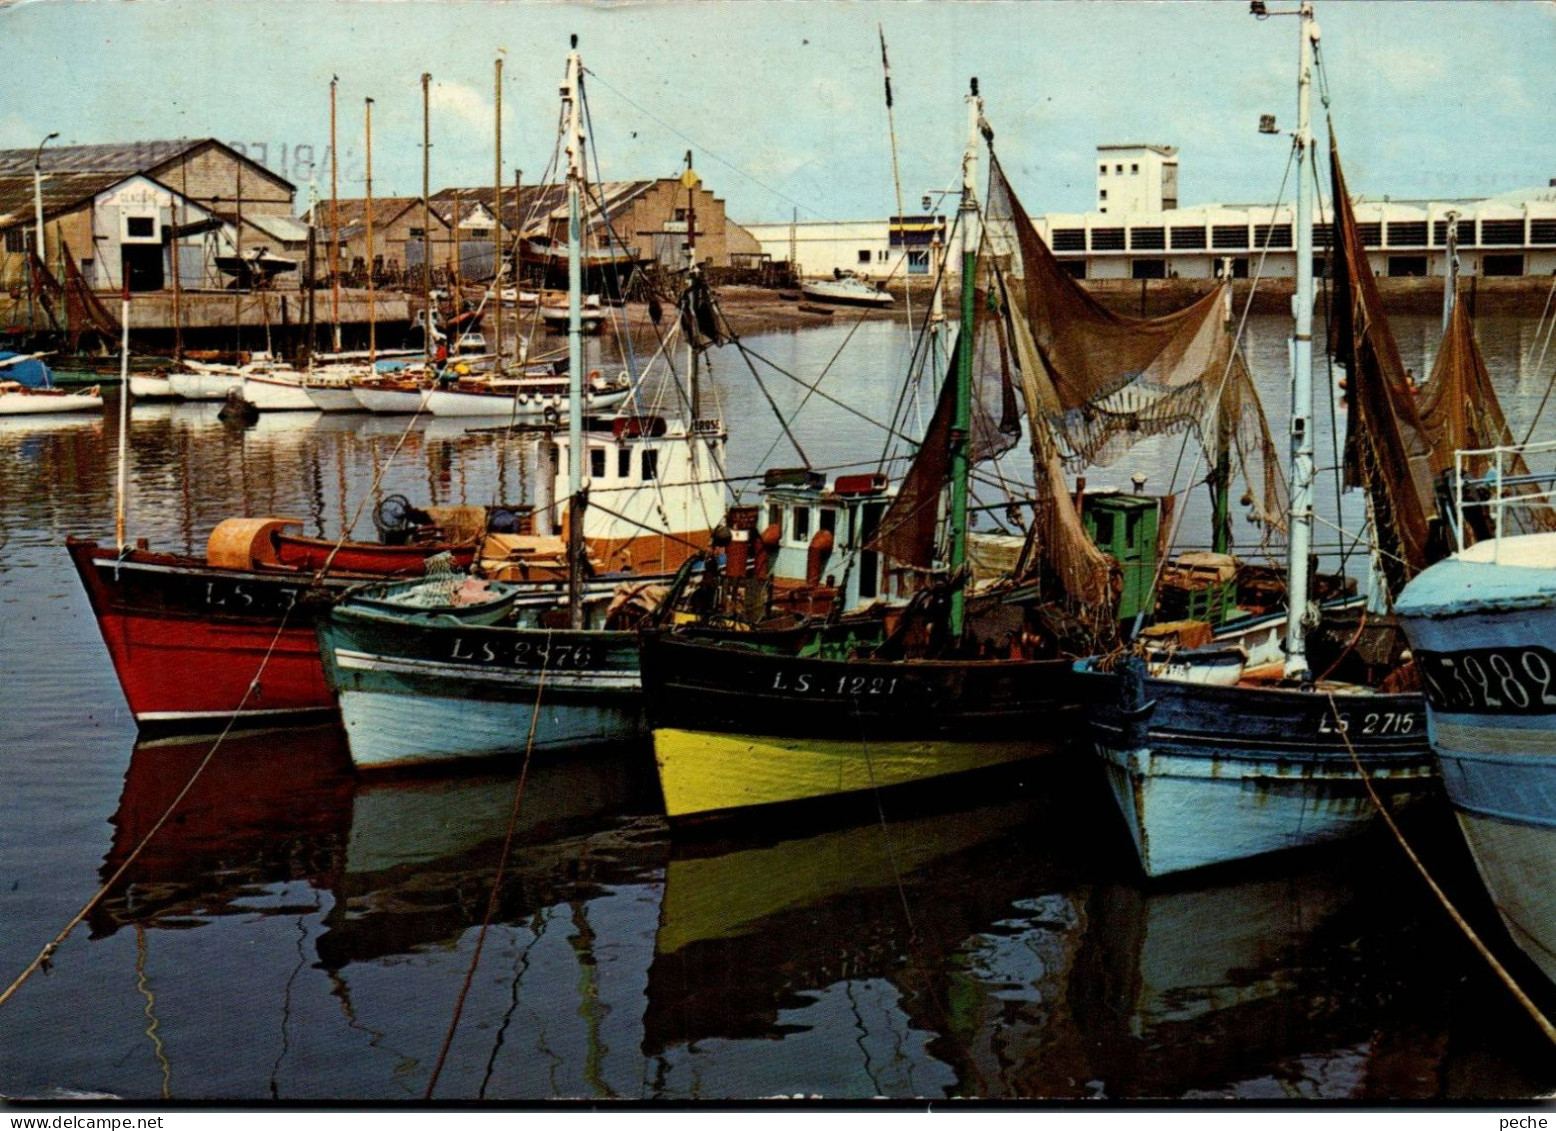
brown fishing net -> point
(1460, 411)
(1093, 383)
(1387, 449)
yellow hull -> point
(705, 772)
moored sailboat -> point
(413, 691)
(1206, 774)
(1482, 623)
(964, 681)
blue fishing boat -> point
(423, 679)
(1483, 627)
(1207, 769)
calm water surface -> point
(294, 933)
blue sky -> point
(782, 101)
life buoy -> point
(552, 416)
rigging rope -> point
(497, 879)
(1497, 968)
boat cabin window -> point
(1104, 521)
(650, 465)
(864, 255)
(827, 520)
(775, 515)
(623, 463)
(801, 523)
(597, 462)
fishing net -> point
(1460, 411)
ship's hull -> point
(417, 694)
(737, 728)
(194, 645)
(1483, 637)
(333, 398)
(450, 402)
(151, 387)
(390, 401)
(1205, 774)
(44, 402)
(204, 386)
(277, 395)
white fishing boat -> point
(415, 688)
(555, 315)
(533, 397)
(1207, 768)
(27, 389)
(1482, 624)
(152, 387)
(212, 381)
(844, 289)
(277, 391)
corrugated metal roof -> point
(352, 212)
(123, 158)
(541, 203)
(61, 192)
(288, 229)
(119, 157)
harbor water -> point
(295, 932)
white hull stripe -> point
(592, 679)
(173, 716)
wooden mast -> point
(334, 223)
(372, 295)
(575, 387)
(1300, 522)
(961, 427)
(426, 226)
(178, 287)
(497, 220)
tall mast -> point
(961, 426)
(372, 294)
(690, 180)
(426, 227)
(571, 97)
(1300, 538)
(237, 290)
(124, 410)
(334, 223)
(497, 222)
(1221, 474)
(1451, 268)
(178, 287)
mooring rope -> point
(46, 956)
(497, 879)
(1497, 968)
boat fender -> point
(735, 558)
(760, 551)
(524, 398)
(816, 556)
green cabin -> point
(1126, 528)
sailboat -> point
(963, 681)
(27, 389)
(1207, 774)
(1480, 624)
(414, 690)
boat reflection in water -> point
(947, 948)
(243, 825)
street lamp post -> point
(37, 196)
